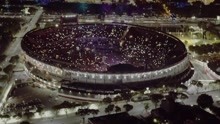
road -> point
(70, 119)
(75, 119)
(192, 99)
(26, 28)
(203, 72)
(14, 49)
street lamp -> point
(193, 17)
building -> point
(96, 59)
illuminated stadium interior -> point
(104, 48)
(104, 58)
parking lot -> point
(28, 97)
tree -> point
(197, 8)
(117, 109)
(56, 109)
(2, 58)
(205, 101)
(19, 115)
(117, 98)
(183, 96)
(84, 103)
(182, 87)
(74, 104)
(37, 25)
(107, 100)
(109, 108)
(5, 118)
(94, 111)
(155, 98)
(14, 59)
(4, 78)
(8, 69)
(126, 96)
(39, 110)
(172, 95)
(28, 114)
(18, 81)
(83, 113)
(65, 105)
(146, 106)
(28, 64)
(197, 83)
(127, 107)
(1, 88)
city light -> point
(109, 60)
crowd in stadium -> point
(96, 47)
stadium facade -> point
(103, 58)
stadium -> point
(104, 58)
